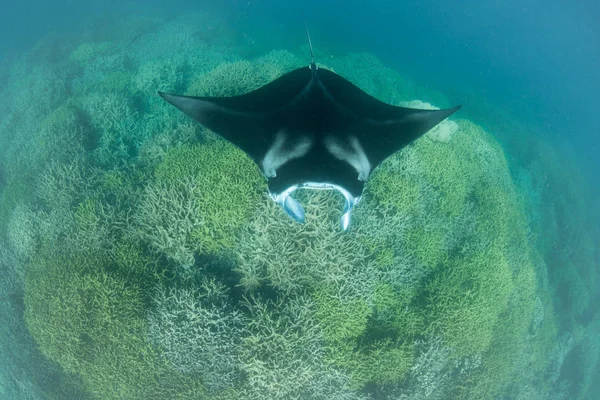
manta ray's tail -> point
(313, 65)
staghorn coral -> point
(228, 79)
(89, 319)
(155, 75)
(429, 377)
(199, 198)
(338, 272)
(291, 257)
(199, 332)
(87, 52)
(282, 354)
(466, 300)
(35, 88)
(25, 373)
(57, 140)
(21, 233)
(167, 217)
(63, 184)
(457, 216)
(240, 77)
(115, 124)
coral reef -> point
(199, 332)
(200, 197)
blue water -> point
(134, 269)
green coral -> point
(452, 209)
(382, 362)
(228, 79)
(466, 299)
(427, 244)
(394, 314)
(199, 332)
(199, 198)
(291, 257)
(342, 319)
(228, 185)
(70, 312)
(283, 354)
(340, 277)
(90, 321)
(511, 351)
(346, 321)
(397, 192)
(114, 125)
(240, 77)
(86, 52)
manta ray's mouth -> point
(295, 211)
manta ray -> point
(311, 128)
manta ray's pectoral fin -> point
(386, 136)
(380, 128)
(251, 120)
(248, 130)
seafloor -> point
(142, 259)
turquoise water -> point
(142, 259)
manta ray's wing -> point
(250, 121)
(381, 129)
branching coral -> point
(200, 197)
(454, 210)
(102, 68)
(35, 88)
(282, 354)
(25, 371)
(199, 332)
(239, 77)
(291, 257)
(339, 273)
(31, 153)
(115, 124)
(467, 299)
(21, 232)
(228, 79)
(165, 75)
(167, 218)
(89, 319)
(429, 377)
(63, 184)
